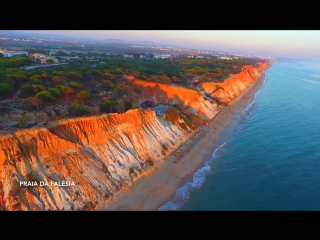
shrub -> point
(84, 95)
(127, 105)
(24, 148)
(94, 91)
(163, 152)
(77, 109)
(219, 87)
(15, 188)
(120, 87)
(109, 83)
(164, 147)
(137, 96)
(107, 105)
(175, 106)
(149, 162)
(188, 122)
(183, 126)
(55, 91)
(88, 206)
(32, 176)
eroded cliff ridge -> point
(86, 160)
(98, 154)
(226, 92)
(190, 101)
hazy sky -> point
(298, 44)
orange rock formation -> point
(98, 154)
(228, 90)
(188, 100)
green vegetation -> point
(67, 91)
(107, 106)
(95, 90)
(108, 82)
(83, 81)
(55, 91)
(77, 109)
(75, 86)
(187, 122)
(6, 89)
(175, 106)
(120, 87)
(83, 95)
(183, 126)
(128, 105)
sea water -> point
(269, 156)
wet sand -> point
(152, 191)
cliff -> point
(101, 154)
(98, 154)
(226, 92)
(190, 101)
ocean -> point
(268, 158)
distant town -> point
(54, 53)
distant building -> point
(226, 58)
(41, 58)
(162, 56)
(44, 66)
(10, 53)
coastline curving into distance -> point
(91, 158)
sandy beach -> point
(152, 191)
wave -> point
(307, 80)
(315, 75)
(182, 194)
(303, 79)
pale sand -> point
(157, 188)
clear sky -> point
(297, 44)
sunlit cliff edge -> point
(227, 91)
(101, 154)
(189, 100)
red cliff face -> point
(86, 160)
(98, 154)
(188, 100)
(227, 91)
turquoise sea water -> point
(269, 157)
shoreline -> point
(158, 186)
